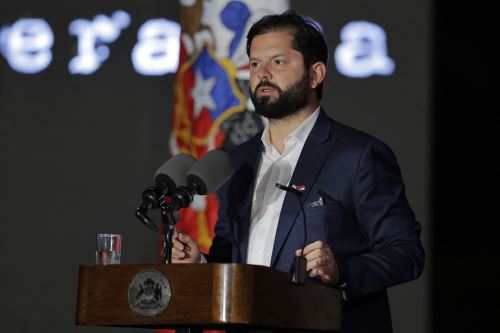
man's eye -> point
(254, 64)
(278, 62)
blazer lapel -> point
(244, 209)
(316, 148)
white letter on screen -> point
(91, 37)
(27, 45)
(363, 51)
(157, 48)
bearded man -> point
(362, 235)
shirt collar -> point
(300, 133)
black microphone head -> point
(172, 173)
(290, 189)
(211, 171)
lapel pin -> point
(300, 188)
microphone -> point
(204, 176)
(172, 173)
(299, 269)
(289, 189)
(167, 178)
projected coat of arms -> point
(211, 107)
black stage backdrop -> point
(76, 151)
(465, 288)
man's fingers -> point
(322, 274)
(184, 249)
(326, 278)
(177, 254)
(320, 261)
(313, 246)
(318, 245)
(178, 244)
(311, 264)
(187, 248)
(318, 253)
(316, 272)
(185, 238)
(182, 245)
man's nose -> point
(264, 73)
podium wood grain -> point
(210, 295)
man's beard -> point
(288, 102)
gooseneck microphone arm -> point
(299, 269)
(298, 195)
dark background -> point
(465, 246)
(76, 152)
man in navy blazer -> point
(362, 235)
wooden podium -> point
(208, 296)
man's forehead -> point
(272, 42)
(287, 33)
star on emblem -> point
(201, 94)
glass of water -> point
(108, 249)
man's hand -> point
(185, 249)
(320, 262)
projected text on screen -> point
(27, 46)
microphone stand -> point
(181, 198)
(169, 218)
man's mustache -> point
(266, 84)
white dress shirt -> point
(267, 198)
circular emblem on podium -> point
(149, 293)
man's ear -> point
(317, 74)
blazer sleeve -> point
(388, 224)
(221, 249)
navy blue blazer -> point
(366, 219)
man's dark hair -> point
(307, 37)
